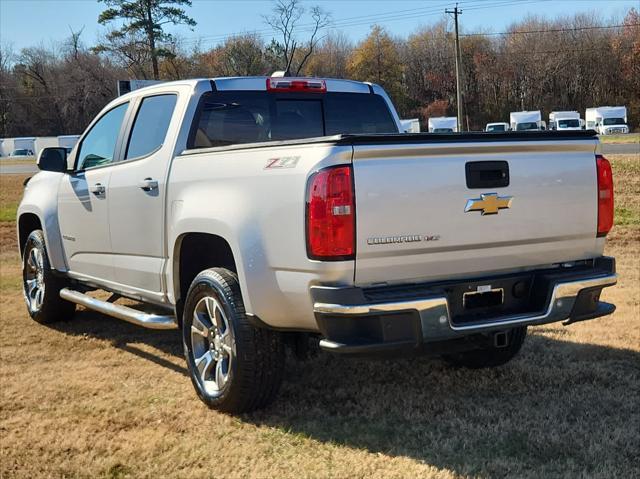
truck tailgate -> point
(411, 222)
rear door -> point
(418, 217)
(137, 192)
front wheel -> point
(234, 366)
(491, 356)
(40, 286)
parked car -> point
(252, 213)
(496, 127)
(21, 153)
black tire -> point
(43, 302)
(489, 357)
(255, 362)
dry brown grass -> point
(96, 397)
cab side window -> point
(151, 125)
(98, 146)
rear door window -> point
(151, 125)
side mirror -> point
(53, 159)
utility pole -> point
(455, 12)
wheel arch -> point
(194, 252)
(27, 222)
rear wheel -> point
(234, 366)
(491, 356)
(41, 287)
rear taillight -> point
(331, 214)
(296, 84)
(605, 195)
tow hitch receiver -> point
(500, 339)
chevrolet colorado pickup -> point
(252, 213)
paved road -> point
(625, 148)
(607, 148)
(17, 169)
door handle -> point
(148, 184)
(98, 189)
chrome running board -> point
(146, 320)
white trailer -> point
(127, 86)
(42, 142)
(443, 124)
(526, 121)
(68, 141)
(607, 120)
(497, 126)
(564, 120)
(411, 125)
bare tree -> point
(285, 20)
(129, 50)
(7, 86)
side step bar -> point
(151, 321)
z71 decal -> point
(283, 162)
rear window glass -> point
(297, 119)
(357, 113)
(232, 117)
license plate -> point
(483, 299)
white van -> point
(443, 124)
(526, 121)
(564, 120)
(607, 120)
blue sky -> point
(26, 23)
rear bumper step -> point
(351, 325)
(146, 320)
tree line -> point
(567, 63)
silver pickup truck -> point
(256, 213)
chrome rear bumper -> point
(435, 321)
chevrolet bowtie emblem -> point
(489, 203)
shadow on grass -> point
(126, 336)
(559, 409)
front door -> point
(83, 209)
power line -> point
(432, 10)
(348, 21)
(552, 30)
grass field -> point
(15, 161)
(628, 138)
(97, 397)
